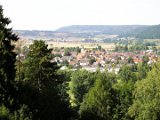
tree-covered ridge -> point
(150, 32)
(137, 31)
(105, 29)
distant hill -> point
(138, 31)
(100, 29)
(35, 34)
(150, 32)
(85, 31)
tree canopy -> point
(40, 85)
(146, 105)
(98, 103)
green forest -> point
(136, 31)
(36, 89)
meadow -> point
(108, 46)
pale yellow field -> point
(108, 46)
(152, 40)
(105, 36)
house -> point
(80, 56)
(84, 62)
(137, 60)
(73, 62)
(67, 58)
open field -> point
(108, 46)
(105, 36)
(156, 41)
(51, 44)
(152, 40)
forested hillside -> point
(101, 29)
(150, 32)
(137, 31)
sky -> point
(53, 14)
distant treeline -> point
(150, 32)
(87, 31)
(137, 31)
(100, 29)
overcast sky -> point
(52, 14)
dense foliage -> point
(146, 95)
(150, 32)
(98, 103)
(44, 99)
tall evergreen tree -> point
(8, 90)
(40, 86)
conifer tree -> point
(40, 86)
(8, 90)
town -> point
(100, 58)
(93, 59)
